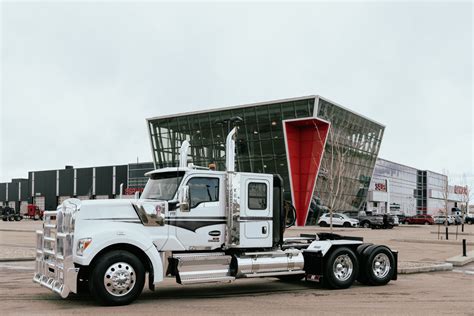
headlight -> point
(82, 245)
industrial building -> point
(48, 188)
(401, 189)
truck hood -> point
(106, 209)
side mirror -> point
(183, 198)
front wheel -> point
(341, 269)
(427, 223)
(366, 224)
(323, 224)
(117, 278)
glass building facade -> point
(260, 141)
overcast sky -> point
(79, 79)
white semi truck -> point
(198, 226)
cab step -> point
(194, 268)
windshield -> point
(162, 186)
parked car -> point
(368, 219)
(441, 220)
(401, 218)
(421, 220)
(338, 219)
(469, 219)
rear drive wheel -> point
(117, 278)
(377, 265)
(341, 268)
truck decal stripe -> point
(192, 225)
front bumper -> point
(55, 268)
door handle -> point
(264, 230)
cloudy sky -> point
(78, 79)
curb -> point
(429, 241)
(17, 230)
(17, 259)
(459, 261)
(428, 267)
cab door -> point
(256, 211)
(202, 227)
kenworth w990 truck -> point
(198, 226)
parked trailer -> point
(197, 226)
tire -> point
(117, 263)
(340, 269)
(4, 219)
(377, 266)
(347, 224)
(323, 224)
(427, 223)
(361, 277)
(17, 218)
(11, 218)
(365, 224)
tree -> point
(466, 197)
(334, 168)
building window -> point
(203, 190)
(257, 195)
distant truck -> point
(10, 214)
(34, 212)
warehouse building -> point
(261, 145)
(401, 189)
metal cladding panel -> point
(45, 185)
(121, 177)
(3, 192)
(12, 191)
(84, 181)
(305, 140)
(25, 190)
(103, 180)
(66, 182)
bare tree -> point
(334, 169)
(445, 195)
(466, 197)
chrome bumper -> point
(54, 265)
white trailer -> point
(197, 226)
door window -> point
(257, 194)
(203, 190)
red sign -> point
(131, 191)
(460, 190)
(381, 187)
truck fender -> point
(111, 238)
(324, 246)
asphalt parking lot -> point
(435, 293)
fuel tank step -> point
(192, 268)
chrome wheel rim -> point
(342, 267)
(119, 279)
(381, 265)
